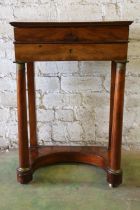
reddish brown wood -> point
(24, 177)
(112, 88)
(70, 41)
(96, 34)
(70, 52)
(117, 119)
(114, 179)
(69, 24)
(23, 172)
(114, 174)
(22, 117)
(61, 154)
(32, 104)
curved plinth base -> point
(64, 154)
(46, 155)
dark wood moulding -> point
(23, 24)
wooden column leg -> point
(114, 171)
(112, 89)
(32, 104)
(24, 173)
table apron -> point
(70, 52)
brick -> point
(129, 119)
(88, 127)
(7, 68)
(65, 115)
(4, 114)
(68, 13)
(8, 2)
(7, 51)
(132, 85)
(79, 84)
(61, 100)
(132, 102)
(34, 12)
(57, 68)
(48, 84)
(45, 115)
(133, 67)
(59, 132)
(5, 12)
(3, 143)
(8, 99)
(75, 132)
(94, 68)
(131, 11)
(106, 82)
(6, 31)
(7, 84)
(102, 122)
(134, 50)
(134, 133)
(44, 133)
(2, 130)
(111, 12)
(86, 115)
(134, 31)
(19, 12)
(11, 131)
(95, 99)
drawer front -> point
(70, 52)
(95, 34)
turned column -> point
(24, 174)
(112, 89)
(31, 104)
(116, 122)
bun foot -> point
(114, 178)
(24, 175)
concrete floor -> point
(69, 187)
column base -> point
(24, 175)
(114, 178)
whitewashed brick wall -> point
(72, 97)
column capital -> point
(121, 65)
(19, 62)
(121, 61)
(20, 66)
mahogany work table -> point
(75, 41)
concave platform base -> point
(46, 155)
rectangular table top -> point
(68, 24)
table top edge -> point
(68, 24)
